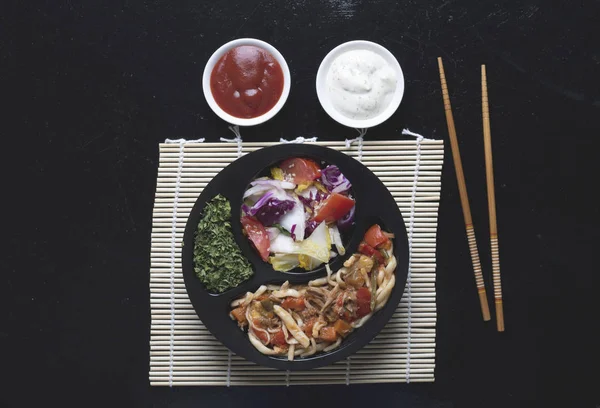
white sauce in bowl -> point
(360, 84)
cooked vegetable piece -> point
(368, 250)
(363, 301)
(278, 338)
(293, 303)
(262, 336)
(374, 273)
(308, 326)
(267, 304)
(375, 237)
(342, 328)
(328, 333)
(239, 314)
(359, 270)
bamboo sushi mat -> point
(182, 350)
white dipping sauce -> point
(361, 84)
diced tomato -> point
(333, 208)
(346, 316)
(278, 338)
(375, 236)
(328, 333)
(239, 314)
(368, 250)
(293, 303)
(262, 336)
(301, 170)
(342, 328)
(258, 236)
(308, 326)
(363, 301)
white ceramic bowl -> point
(215, 58)
(323, 94)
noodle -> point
(317, 327)
(259, 346)
(291, 325)
(362, 321)
(334, 345)
(299, 321)
(318, 282)
(303, 320)
(380, 276)
(312, 350)
(338, 279)
(286, 293)
(249, 297)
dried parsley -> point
(218, 261)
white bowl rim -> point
(287, 80)
(324, 97)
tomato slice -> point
(258, 236)
(363, 301)
(368, 250)
(375, 237)
(333, 208)
(301, 170)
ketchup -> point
(246, 82)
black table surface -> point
(90, 88)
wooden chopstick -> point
(464, 199)
(489, 173)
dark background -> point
(90, 88)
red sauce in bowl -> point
(246, 82)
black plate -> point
(374, 204)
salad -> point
(295, 217)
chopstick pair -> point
(464, 199)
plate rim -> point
(362, 336)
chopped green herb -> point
(218, 261)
